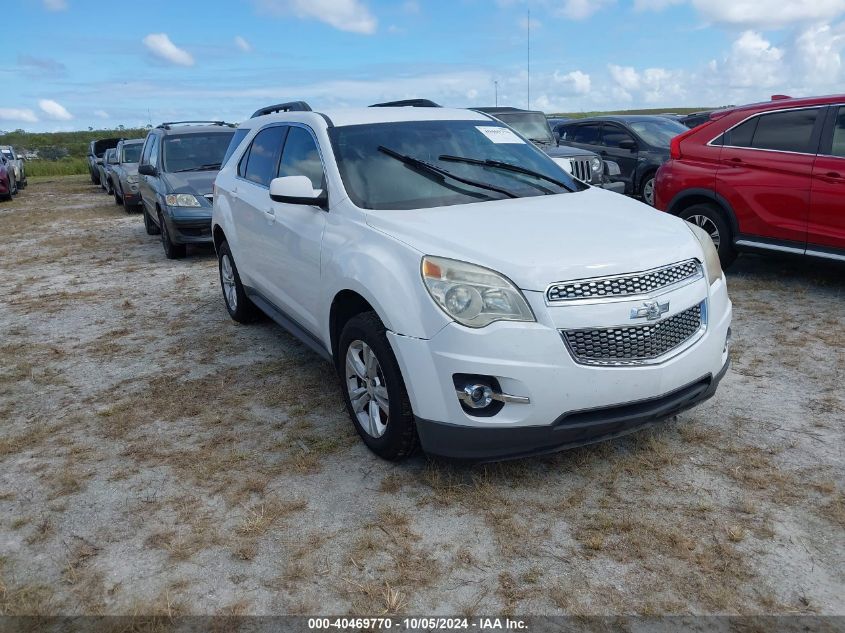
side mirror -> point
(630, 145)
(145, 169)
(297, 190)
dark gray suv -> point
(178, 165)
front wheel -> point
(238, 305)
(373, 388)
(708, 218)
(647, 190)
(118, 199)
(172, 250)
(149, 224)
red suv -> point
(766, 176)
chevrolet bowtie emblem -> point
(651, 310)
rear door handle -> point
(832, 176)
(736, 160)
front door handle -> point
(736, 160)
(832, 177)
(270, 214)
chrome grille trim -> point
(581, 169)
(628, 285)
(645, 344)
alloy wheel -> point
(367, 389)
(703, 222)
(227, 278)
(648, 192)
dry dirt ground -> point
(157, 458)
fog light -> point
(478, 396)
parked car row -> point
(479, 294)
(17, 164)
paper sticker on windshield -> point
(499, 134)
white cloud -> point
(582, 9)
(626, 76)
(344, 15)
(159, 44)
(578, 82)
(761, 14)
(242, 44)
(753, 61)
(18, 114)
(654, 5)
(817, 54)
(55, 5)
(101, 114)
(54, 110)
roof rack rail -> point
(290, 106)
(168, 124)
(407, 103)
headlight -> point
(712, 265)
(472, 295)
(181, 200)
(596, 165)
(132, 179)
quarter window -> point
(301, 158)
(264, 155)
(742, 134)
(838, 148)
(790, 131)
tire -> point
(171, 249)
(149, 225)
(7, 196)
(647, 189)
(95, 177)
(118, 200)
(710, 218)
(391, 434)
(13, 188)
(238, 305)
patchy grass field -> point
(157, 458)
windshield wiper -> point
(200, 168)
(427, 168)
(541, 141)
(489, 162)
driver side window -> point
(153, 160)
(300, 157)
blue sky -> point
(72, 64)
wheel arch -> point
(345, 305)
(218, 237)
(690, 197)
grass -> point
(63, 167)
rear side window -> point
(742, 134)
(838, 148)
(264, 155)
(587, 134)
(790, 131)
(301, 158)
(239, 135)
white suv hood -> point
(536, 241)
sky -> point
(74, 64)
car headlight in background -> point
(181, 200)
(596, 165)
(132, 179)
(712, 265)
(473, 295)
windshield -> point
(379, 179)
(532, 125)
(195, 152)
(131, 153)
(658, 132)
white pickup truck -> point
(17, 163)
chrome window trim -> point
(758, 114)
(657, 292)
(658, 360)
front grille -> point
(634, 344)
(581, 169)
(624, 285)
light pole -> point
(496, 92)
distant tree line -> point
(59, 145)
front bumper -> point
(616, 187)
(131, 199)
(189, 226)
(530, 360)
(570, 430)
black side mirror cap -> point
(146, 169)
(321, 201)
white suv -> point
(474, 298)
